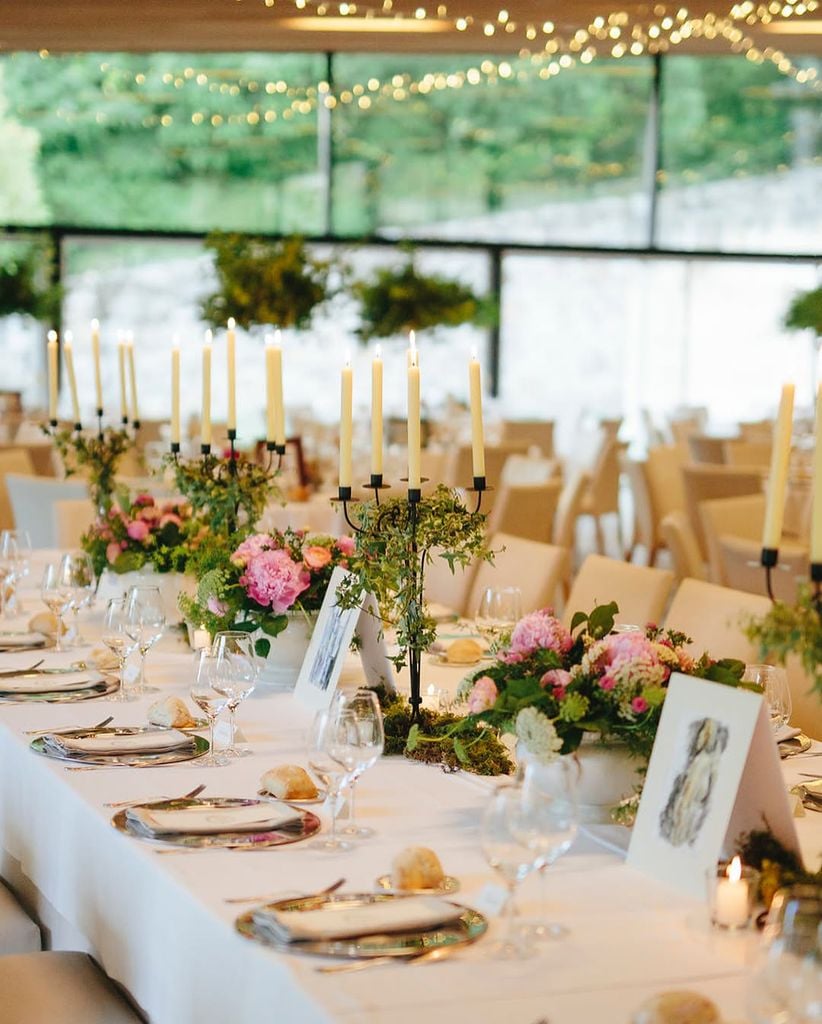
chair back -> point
(645, 529)
(663, 472)
(71, 519)
(446, 588)
(537, 569)
(738, 562)
(602, 495)
(527, 469)
(706, 449)
(756, 454)
(640, 591)
(533, 433)
(526, 510)
(741, 517)
(568, 509)
(681, 542)
(12, 460)
(702, 483)
(460, 471)
(32, 500)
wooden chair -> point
(18, 933)
(640, 591)
(741, 517)
(71, 519)
(738, 562)
(705, 449)
(756, 454)
(565, 518)
(532, 433)
(537, 569)
(526, 510)
(703, 483)
(602, 495)
(12, 460)
(680, 541)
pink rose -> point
(112, 552)
(607, 682)
(639, 705)
(316, 557)
(346, 546)
(557, 678)
(169, 517)
(273, 579)
(138, 530)
(216, 606)
(483, 695)
(143, 500)
(149, 514)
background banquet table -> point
(159, 924)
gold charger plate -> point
(448, 887)
(467, 928)
(441, 659)
(199, 746)
(795, 745)
(104, 688)
(196, 726)
(308, 825)
(318, 799)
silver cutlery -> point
(269, 896)
(69, 729)
(155, 799)
(429, 956)
(21, 671)
(35, 671)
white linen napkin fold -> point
(198, 820)
(114, 743)
(786, 732)
(46, 682)
(21, 639)
(409, 913)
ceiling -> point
(280, 25)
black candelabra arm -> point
(99, 413)
(768, 559)
(274, 449)
(816, 579)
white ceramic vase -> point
(170, 584)
(282, 666)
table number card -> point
(335, 628)
(714, 773)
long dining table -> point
(159, 922)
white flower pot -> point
(170, 584)
(604, 775)
(285, 659)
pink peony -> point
(316, 557)
(483, 695)
(537, 631)
(251, 547)
(557, 678)
(639, 705)
(216, 606)
(346, 546)
(143, 500)
(138, 530)
(273, 579)
(170, 517)
(112, 552)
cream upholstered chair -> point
(64, 987)
(704, 483)
(527, 469)
(741, 517)
(526, 510)
(18, 933)
(539, 433)
(601, 497)
(681, 543)
(646, 530)
(565, 519)
(32, 500)
(656, 487)
(640, 591)
(738, 560)
(714, 617)
(71, 518)
(706, 449)
(41, 454)
(757, 430)
(446, 588)
(748, 453)
(537, 569)
(12, 460)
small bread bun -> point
(464, 652)
(171, 713)
(46, 623)
(289, 782)
(677, 1008)
(417, 867)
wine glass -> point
(774, 683)
(15, 556)
(77, 574)
(499, 610)
(119, 635)
(332, 756)
(512, 859)
(209, 700)
(144, 606)
(234, 674)
(546, 823)
(57, 598)
(369, 741)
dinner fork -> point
(21, 671)
(153, 799)
(57, 732)
(272, 895)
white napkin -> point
(786, 732)
(198, 820)
(21, 639)
(48, 682)
(408, 913)
(114, 743)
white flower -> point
(538, 736)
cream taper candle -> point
(376, 413)
(279, 402)
(132, 376)
(68, 359)
(175, 390)
(346, 422)
(95, 355)
(205, 416)
(231, 354)
(414, 429)
(816, 506)
(477, 433)
(52, 367)
(270, 406)
(778, 476)
(121, 359)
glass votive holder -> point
(732, 894)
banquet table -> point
(159, 924)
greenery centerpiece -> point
(792, 629)
(97, 454)
(805, 312)
(26, 287)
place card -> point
(714, 774)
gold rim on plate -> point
(199, 746)
(448, 887)
(102, 689)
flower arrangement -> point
(792, 629)
(252, 582)
(98, 454)
(25, 284)
(139, 532)
(805, 312)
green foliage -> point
(263, 282)
(25, 282)
(778, 866)
(396, 301)
(792, 629)
(98, 454)
(805, 312)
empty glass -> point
(234, 675)
(774, 682)
(15, 556)
(332, 756)
(368, 741)
(57, 598)
(499, 610)
(209, 700)
(120, 636)
(144, 606)
(77, 574)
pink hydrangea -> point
(346, 546)
(138, 530)
(251, 547)
(538, 631)
(273, 579)
(483, 695)
(557, 679)
(216, 606)
(316, 557)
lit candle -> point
(376, 413)
(132, 376)
(412, 348)
(279, 404)
(270, 375)
(816, 512)
(231, 341)
(431, 698)
(477, 434)
(778, 476)
(205, 422)
(95, 355)
(200, 638)
(414, 432)
(175, 390)
(52, 361)
(68, 358)
(732, 903)
(346, 422)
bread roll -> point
(45, 623)
(289, 782)
(677, 1008)
(417, 867)
(171, 713)
(464, 652)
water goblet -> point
(56, 597)
(77, 574)
(234, 675)
(774, 683)
(499, 610)
(119, 636)
(15, 556)
(333, 759)
(369, 741)
(209, 700)
(144, 606)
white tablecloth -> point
(159, 924)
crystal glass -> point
(512, 860)
(369, 740)
(15, 559)
(144, 606)
(333, 757)
(77, 574)
(499, 610)
(208, 700)
(774, 682)
(234, 675)
(57, 598)
(120, 636)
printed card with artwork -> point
(714, 773)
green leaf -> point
(460, 751)
(129, 561)
(601, 619)
(262, 647)
(413, 738)
(578, 619)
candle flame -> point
(348, 359)
(95, 324)
(52, 335)
(269, 339)
(129, 337)
(68, 337)
(209, 334)
(412, 340)
(378, 352)
(734, 869)
(231, 323)
(175, 340)
(278, 336)
(474, 352)
(431, 690)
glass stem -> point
(509, 915)
(212, 721)
(141, 683)
(335, 796)
(232, 711)
(121, 664)
(352, 811)
(58, 640)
